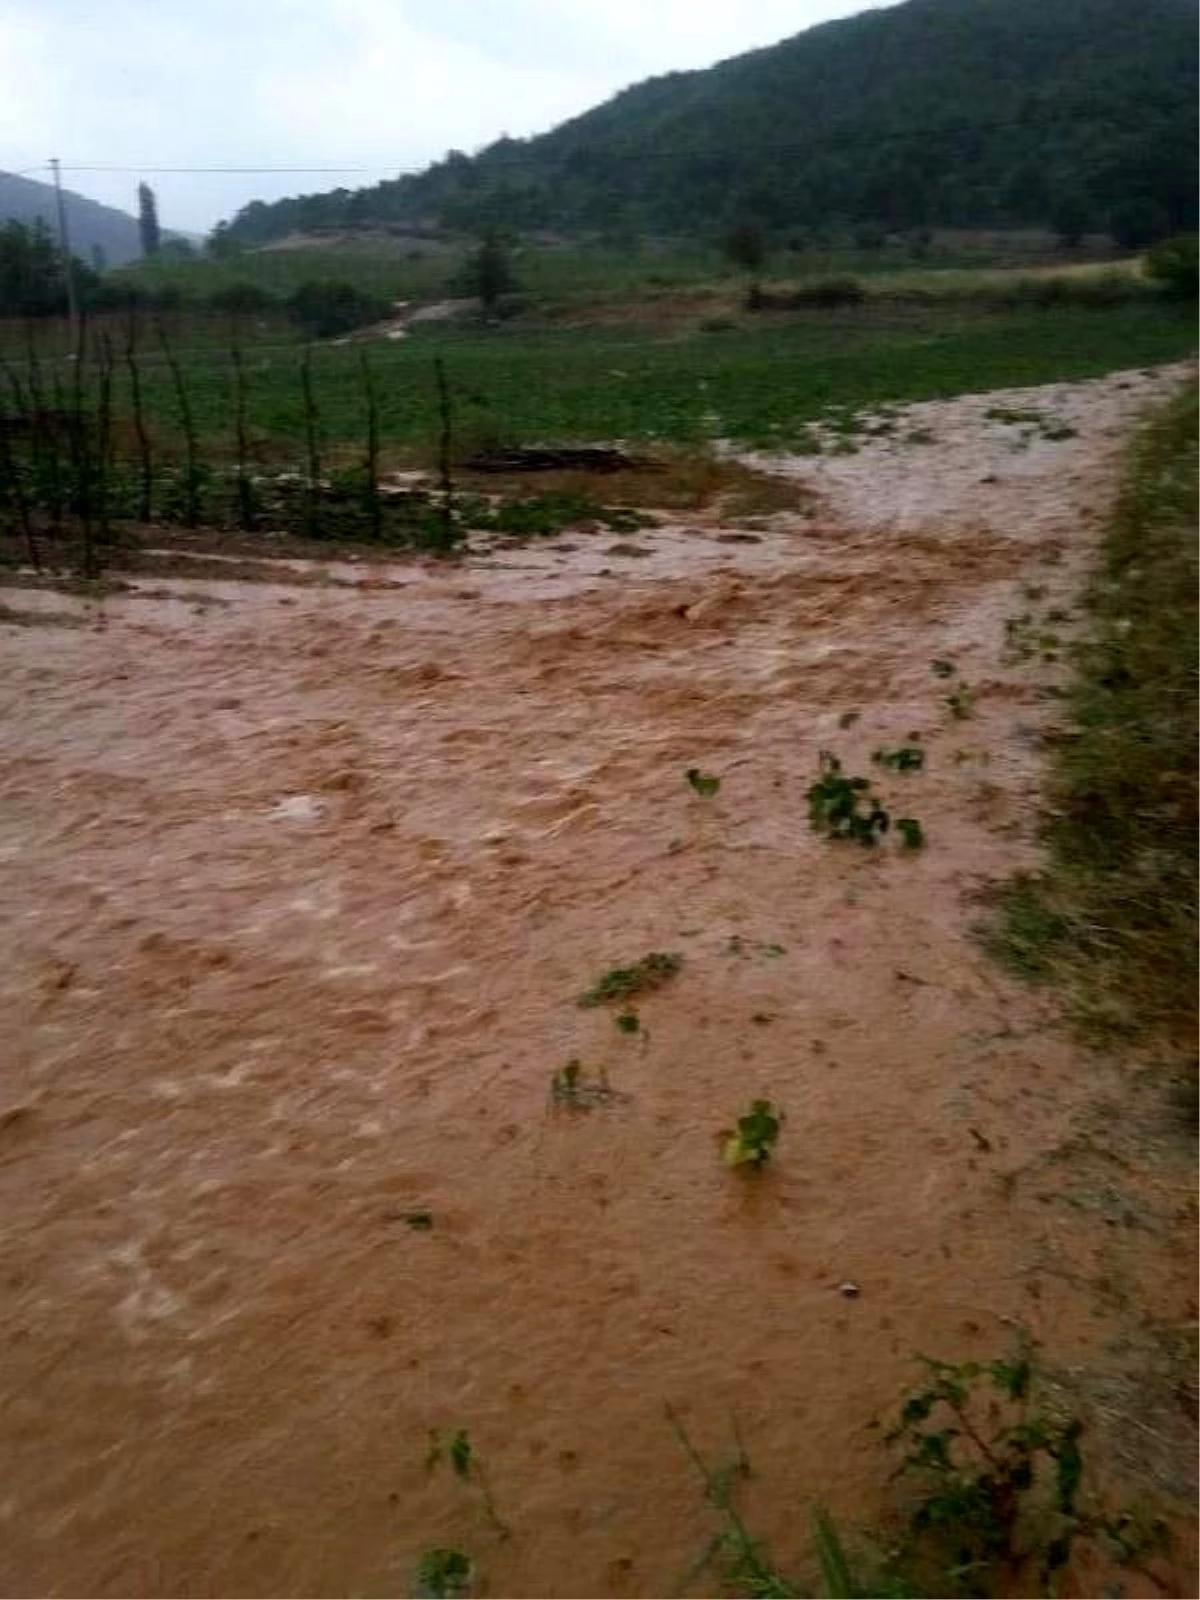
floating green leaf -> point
(961, 701)
(757, 1132)
(564, 1085)
(911, 831)
(906, 758)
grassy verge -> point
(1113, 917)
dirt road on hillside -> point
(301, 885)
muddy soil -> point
(302, 881)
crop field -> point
(758, 381)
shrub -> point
(324, 308)
(123, 294)
(242, 298)
(745, 244)
(487, 273)
(822, 294)
(1175, 263)
(1088, 289)
(1138, 222)
(827, 293)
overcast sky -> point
(384, 85)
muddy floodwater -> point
(301, 883)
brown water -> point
(302, 884)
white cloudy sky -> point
(378, 84)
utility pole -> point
(64, 244)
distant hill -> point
(959, 113)
(88, 222)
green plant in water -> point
(1002, 1479)
(743, 1562)
(569, 1087)
(911, 831)
(746, 1568)
(961, 701)
(443, 1574)
(566, 1082)
(907, 758)
(942, 668)
(456, 1448)
(756, 1136)
(628, 1022)
(702, 783)
(622, 983)
(845, 808)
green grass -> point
(760, 384)
(1113, 916)
(412, 268)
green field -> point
(677, 371)
(757, 381)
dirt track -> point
(302, 884)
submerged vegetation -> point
(994, 1496)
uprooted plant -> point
(848, 808)
(641, 977)
(703, 783)
(457, 1449)
(443, 1574)
(756, 1134)
(905, 758)
(961, 701)
(572, 1088)
(845, 808)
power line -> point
(722, 164)
(327, 171)
(490, 157)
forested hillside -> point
(1069, 113)
(97, 232)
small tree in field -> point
(1136, 223)
(745, 245)
(1070, 220)
(1175, 263)
(148, 228)
(487, 272)
(326, 308)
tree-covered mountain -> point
(934, 112)
(92, 226)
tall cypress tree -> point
(148, 220)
